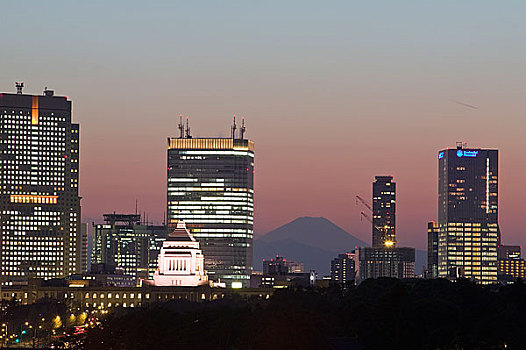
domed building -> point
(181, 262)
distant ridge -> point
(316, 232)
(315, 241)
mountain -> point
(315, 232)
(314, 241)
(313, 258)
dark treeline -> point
(379, 314)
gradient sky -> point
(333, 93)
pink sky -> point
(332, 95)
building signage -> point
(465, 153)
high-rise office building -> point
(210, 186)
(127, 244)
(468, 213)
(432, 249)
(384, 259)
(384, 212)
(40, 232)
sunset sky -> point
(333, 92)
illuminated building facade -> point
(432, 249)
(39, 202)
(127, 244)
(386, 262)
(384, 212)
(210, 186)
(181, 262)
(384, 259)
(343, 268)
(468, 213)
(510, 263)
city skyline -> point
(359, 98)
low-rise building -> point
(128, 244)
(510, 263)
(343, 268)
(386, 262)
(85, 295)
(181, 262)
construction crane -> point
(368, 218)
(364, 202)
(387, 243)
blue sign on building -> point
(465, 153)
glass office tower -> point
(384, 212)
(468, 213)
(210, 187)
(125, 243)
(39, 202)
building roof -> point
(180, 233)
(211, 144)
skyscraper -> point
(384, 212)
(384, 259)
(40, 232)
(210, 186)
(468, 213)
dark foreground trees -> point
(379, 314)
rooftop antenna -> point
(136, 206)
(181, 126)
(234, 127)
(188, 136)
(19, 86)
(242, 129)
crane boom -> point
(388, 243)
(364, 202)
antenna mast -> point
(234, 127)
(19, 86)
(181, 126)
(242, 129)
(188, 136)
